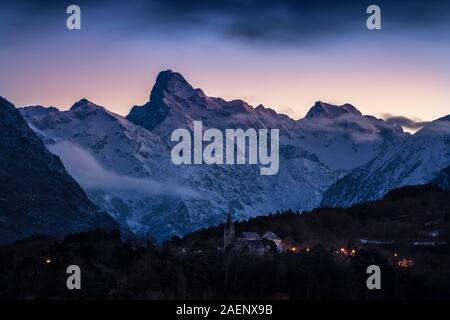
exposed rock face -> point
(37, 195)
(420, 160)
(141, 187)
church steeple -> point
(229, 220)
(228, 234)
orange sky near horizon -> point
(375, 79)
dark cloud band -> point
(288, 21)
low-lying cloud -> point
(90, 174)
(359, 129)
(408, 123)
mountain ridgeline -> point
(335, 156)
(423, 158)
(37, 195)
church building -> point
(249, 242)
(228, 234)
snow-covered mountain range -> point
(36, 194)
(124, 163)
(419, 160)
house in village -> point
(276, 239)
(250, 242)
(248, 236)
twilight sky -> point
(283, 54)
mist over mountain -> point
(37, 195)
(419, 160)
(124, 163)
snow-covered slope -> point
(124, 163)
(419, 160)
(343, 138)
(174, 104)
(36, 193)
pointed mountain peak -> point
(326, 110)
(169, 88)
(84, 103)
(169, 75)
(79, 104)
(263, 109)
(172, 83)
(351, 109)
